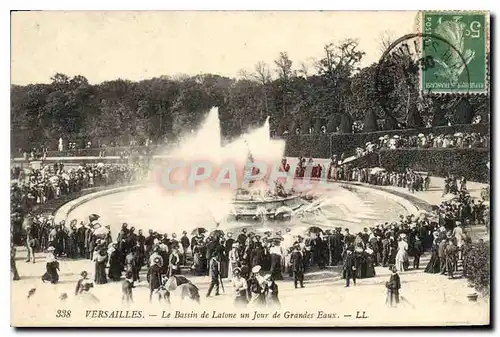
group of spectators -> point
(33, 187)
(459, 140)
(245, 256)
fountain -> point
(256, 201)
(260, 206)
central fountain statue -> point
(260, 201)
(255, 200)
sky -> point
(104, 46)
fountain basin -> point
(267, 207)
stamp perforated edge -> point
(418, 29)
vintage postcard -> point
(250, 169)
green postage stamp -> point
(457, 43)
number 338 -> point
(63, 314)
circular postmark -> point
(417, 66)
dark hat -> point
(84, 273)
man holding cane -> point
(214, 273)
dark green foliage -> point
(470, 163)
(463, 112)
(348, 142)
(345, 124)
(477, 266)
(118, 111)
(413, 119)
(370, 122)
(438, 116)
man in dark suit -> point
(338, 239)
(365, 236)
(418, 249)
(348, 237)
(229, 243)
(375, 246)
(297, 263)
(349, 268)
(242, 237)
(214, 273)
(154, 277)
(210, 250)
(185, 245)
(80, 238)
(385, 251)
(122, 237)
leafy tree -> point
(370, 124)
(463, 112)
(438, 116)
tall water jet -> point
(209, 202)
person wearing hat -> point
(393, 286)
(276, 253)
(51, 266)
(122, 236)
(80, 239)
(127, 286)
(297, 265)
(234, 259)
(255, 286)
(132, 263)
(349, 267)
(214, 273)
(442, 255)
(174, 262)
(242, 237)
(154, 276)
(271, 292)
(240, 288)
(71, 244)
(83, 284)
(31, 242)
(101, 259)
(89, 242)
(229, 244)
(402, 253)
(418, 250)
(115, 262)
(184, 240)
(451, 257)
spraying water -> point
(175, 210)
(207, 203)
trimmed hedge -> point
(369, 160)
(325, 145)
(477, 267)
(470, 163)
(316, 146)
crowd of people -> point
(253, 262)
(33, 187)
(460, 140)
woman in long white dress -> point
(459, 238)
(233, 260)
(402, 254)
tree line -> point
(328, 96)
